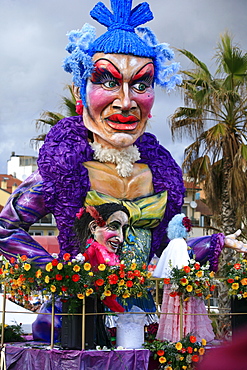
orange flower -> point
(201, 351)
(244, 281)
(139, 294)
(187, 269)
(89, 292)
(76, 268)
(126, 295)
(192, 339)
(166, 281)
(160, 352)
(121, 282)
(99, 282)
(195, 358)
(23, 258)
(38, 274)
(66, 256)
(80, 296)
(12, 260)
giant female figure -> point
(104, 154)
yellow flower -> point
(89, 292)
(107, 293)
(181, 358)
(184, 367)
(199, 273)
(212, 274)
(186, 299)
(6, 265)
(47, 279)
(87, 266)
(60, 266)
(149, 274)
(48, 267)
(195, 349)
(189, 288)
(208, 296)
(53, 288)
(162, 359)
(133, 266)
(198, 291)
(76, 268)
(201, 351)
(69, 263)
(38, 274)
(90, 273)
(178, 346)
(204, 342)
(168, 368)
(237, 277)
(121, 282)
(245, 295)
(139, 294)
(235, 286)
(27, 266)
(126, 295)
(80, 296)
(101, 267)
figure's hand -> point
(232, 242)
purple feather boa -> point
(66, 181)
(216, 246)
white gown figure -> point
(176, 255)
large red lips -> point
(120, 122)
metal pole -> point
(83, 328)
(181, 317)
(3, 314)
(52, 320)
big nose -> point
(125, 100)
(120, 235)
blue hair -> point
(176, 229)
(120, 38)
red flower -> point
(189, 349)
(122, 274)
(1, 271)
(129, 283)
(237, 266)
(160, 352)
(142, 280)
(195, 358)
(54, 262)
(212, 288)
(12, 260)
(197, 266)
(59, 277)
(183, 350)
(99, 282)
(130, 275)
(197, 282)
(192, 339)
(144, 266)
(64, 288)
(122, 266)
(66, 256)
(230, 281)
(166, 281)
(173, 294)
(24, 258)
(137, 273)
(75, 277)
(113, 279)
(187, 269)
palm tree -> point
(215, 117)
(51, 118)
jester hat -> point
(123, 36)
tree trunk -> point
(228, 218)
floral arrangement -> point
(236, 280)
(72, 277)
(184, 354)
(192, 280)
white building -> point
(21, 166)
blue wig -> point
(176, 228)
(120, 38)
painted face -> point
(120, 96)
(112, 234)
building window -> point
(51, 233)
(185, 210)
(36, 233)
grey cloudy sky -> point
(32, 47)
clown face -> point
(120, 96)
(112, 234)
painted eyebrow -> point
(146, 71)
(104, 65)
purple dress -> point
(61, 184)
